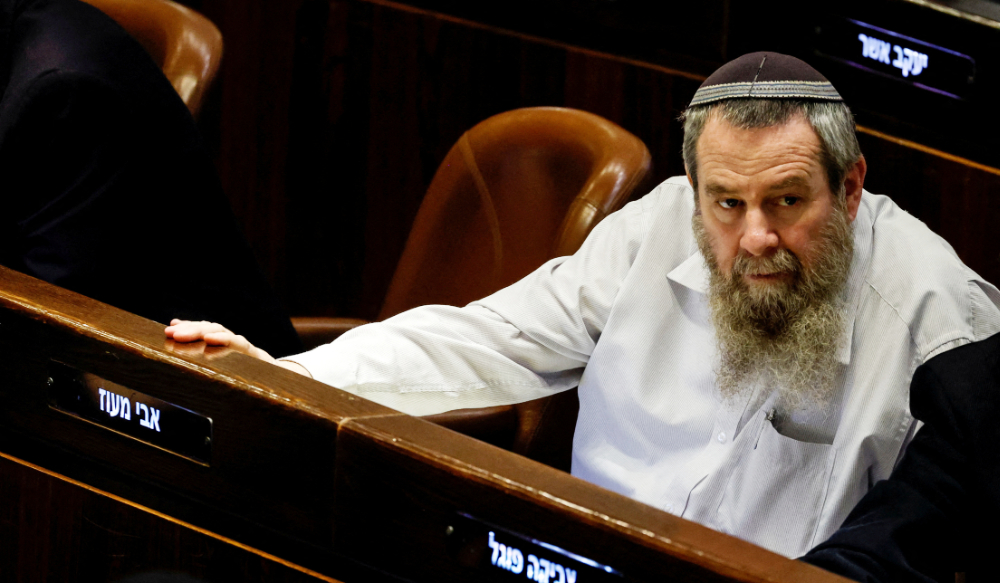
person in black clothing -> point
(938, 512)
(105, 186)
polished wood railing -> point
(295, 480)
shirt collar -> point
(857, 277)
(693, 273)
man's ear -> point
(854, 183)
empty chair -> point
(516, 190)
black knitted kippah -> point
(765, 76)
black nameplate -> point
(500, 554)
(904, 58)
(122, 410)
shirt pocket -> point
(775, 496)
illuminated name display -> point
(129, 412)
(119, 406)
(888, 53)
(908, 61)
(535, 569)
(503, 555)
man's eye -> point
(788, 200)
(729, 203)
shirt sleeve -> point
(527, 341)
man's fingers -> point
(234, 341)
(184, 331)
(214, 335)
(238, 343)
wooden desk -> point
(300, 482)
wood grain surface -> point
(302, 478)
(67, 531)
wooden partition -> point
(295, 481)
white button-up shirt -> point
(626, 319)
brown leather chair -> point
(516, 190)
(185, 44)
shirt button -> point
(722, 437)
(669, 508)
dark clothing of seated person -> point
(938, 512)
(106, 188)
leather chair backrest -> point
(185, 44)
(516, 190)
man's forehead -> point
(793, 138)
(795, 131)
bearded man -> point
(742, 337)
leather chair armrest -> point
(316, 331)
(545, 429)
(541, 430)
(495, 425)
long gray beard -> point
(786, 334)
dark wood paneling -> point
(269, 477)
(423, 478)
(423, 80)
(957, 199)
(57, 530)
(331, 117)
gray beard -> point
(785, 334)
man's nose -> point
(759, 237)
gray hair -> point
(832, 122)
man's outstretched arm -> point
(529, 340)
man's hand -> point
(214, 335)
(218, 335)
